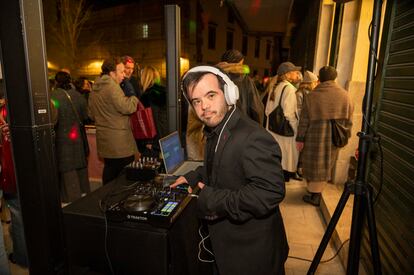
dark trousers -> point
(113, 167)
(287, 175)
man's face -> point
(86, 85)
(208, 100)
(119, 74)
(129, 69)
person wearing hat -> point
(309, 82)
(288, 74)
(314, 137)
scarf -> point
(328, 101)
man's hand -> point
(200, 185)
(182, 180)
(178, 181)
(299, 145)
(137, 156)
(5, 131)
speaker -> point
(231, 91)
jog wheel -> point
(139, 202)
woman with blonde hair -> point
(154, 96)
(283, 93)
(309, 82)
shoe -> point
(11, 258)
(64, 204)
(312, 198)
(300, 171)
(296, 176)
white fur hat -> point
(309, 77)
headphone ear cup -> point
(231, 93)
(227, 94)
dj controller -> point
(151, 201)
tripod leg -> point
(329, 230)
(373, 233)
(358, 213)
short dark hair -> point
(78, 83)
(109, 65)
(127, 59)
(192, 79)
(232, 56)
(327, 73)
(63, 80)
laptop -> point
(173, 156)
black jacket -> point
(241, 203)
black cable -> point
(378, 141)
(103, 206)
(381, 170)
(108, 259)
(375, 54)
(324, 261)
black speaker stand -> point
(363, 203)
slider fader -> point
(143, 169)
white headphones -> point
(231, 91)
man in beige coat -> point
(110, 109)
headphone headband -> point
(231, 91)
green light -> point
(192, 26)
(246, 69)
(55, 103)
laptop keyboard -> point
(187, 166)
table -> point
(133, 248)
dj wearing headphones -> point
(241, 181)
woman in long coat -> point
(314, 139)
(287, 74)
(71, 157)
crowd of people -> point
(246, 163)
(107, 103)
(309, 152)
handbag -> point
(278, 123)
(142, 123)
(82, 130)
(7, 175)
(339, 134)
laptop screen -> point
(172, 152)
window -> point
(229, 43)
(211, 37)
(245, 42)
(144, 30)
(336, 34)
(230, 16)
(268, 47)
(257, 48)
